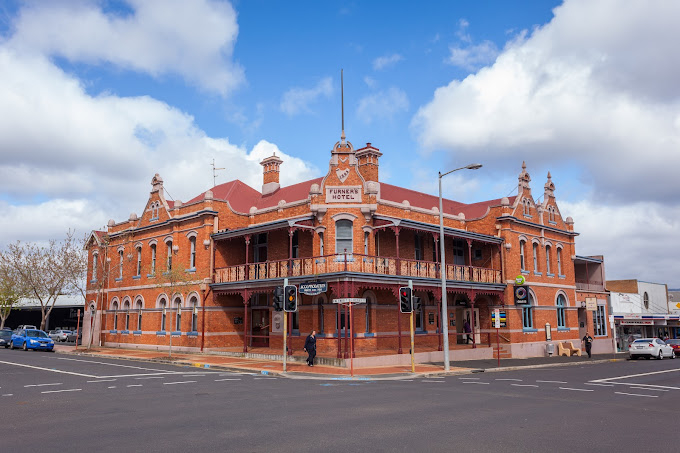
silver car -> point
(59, 334)
(650, 347)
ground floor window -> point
(528, 317)
(599, 321)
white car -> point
(59, 334)
(650, 347)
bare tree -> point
(44, 271)
(174, 277)
(11, 290)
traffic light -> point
(290, 302)
(278, 298)
(405, 302)
(416, 303)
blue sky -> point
(97, 96)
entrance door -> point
(260, 327)
(582, 323)
(466, 317)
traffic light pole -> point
(413, 362)
(285, 331)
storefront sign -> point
(498, 319)
(520, 280)
(591, 304)
(343, 194)
(637, 322)
(312, 289)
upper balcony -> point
(589, 273)
(355, 263)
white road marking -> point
(597, 383)
(102, 380)
(636, 394)
(8, 394)
(635, 375)
(59, 391)
(468, 378)
(431, 380)
(227, 379)
(42, 385)
(48, 369)
(508, 379)
(112, 387)
(265, 378)
(135, 385)
(192, 375)
(178, 382)
(577, 390)
(637, 387)
(645, 386)
(554, 382)
(410, 380)
(473, 382)
(151, 377)
(114, 364)
(170, 373)
(525, 385)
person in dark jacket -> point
(588, 340)
(310, 348)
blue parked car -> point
(31, 339)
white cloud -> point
(473, 56)
(386, 61)
(70, 160)
(193, 39)
(622, 234)
(382, 105)
(592, 89)
(297, 100)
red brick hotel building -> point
(200, 275)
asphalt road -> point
(80, 403)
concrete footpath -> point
(297, 370)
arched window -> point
(153, 259)
(561, 313)
(126, 307)
(169, 262)
(535, 250)
(645, 300)
(343, 237)
(192, 254)
(547, 259)
(193, 303)
(120, 261)
(138, 307)
(527, 206)
(178, 317)
(522, 258)
(528, 313)
(139, 261)
(559, 261)
(114, 307)
(162, 305)
(95, 257)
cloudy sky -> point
(97, 96)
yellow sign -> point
(519, 280)
(678, 305)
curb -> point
(335, 377)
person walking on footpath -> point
(310, 348)
(468, 331)
(588, 341)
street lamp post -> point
(442, 266)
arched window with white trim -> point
(561, 312)
(559, 260)
(528, 313)
(178, 316)
(193, 303)
(344, 238)
(126, 308)
(192, 252)
(522, 255)
(114, 307)
(547, 259)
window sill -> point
(527, 216)
(176, 333)
(119, 279)
(562, 276)
(161, 333)
(136, 277)
(549, 275)
(527, 330)
(552, 222)
(136, 332)
(93, 281)
(525, 272)
(538, 273)
(125, 332)
(369, 334)
(113, 331)
(191, 270)
(192, 334)
(563, 329)
(151, 275)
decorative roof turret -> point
(549, 188)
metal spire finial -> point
(342, 103)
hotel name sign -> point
(343, 194)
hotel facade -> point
(200, 275)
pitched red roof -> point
(242, 197)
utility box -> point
(550, 349)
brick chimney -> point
(367, 158)
(270, 174)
